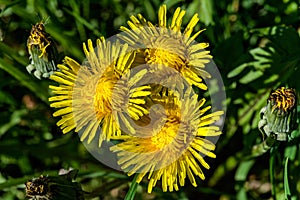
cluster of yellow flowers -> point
(114, 93)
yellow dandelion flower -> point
(166, 44)
(98, 96)
(174, 147)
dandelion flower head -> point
(167, 44)
(174, 149)
(95, 97)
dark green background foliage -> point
(255, 44)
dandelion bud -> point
(279, 116)
(42, 52)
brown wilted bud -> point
(54, 187)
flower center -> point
(103, 96)
(167, 134)
(165, 50)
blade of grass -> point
(12, 53)
(25, 80)
(83, 22)
(65, 41)
(240, 178)
(19, 181)
(76, 10)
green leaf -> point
(206, 12)
(251, 76)
(286, 38)
(236, 71)
(243, 170)
(151, 13)
(264, 57)
(171, 3)
(231, 59)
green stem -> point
(132, 190)
(287, 191)
(260, 149)
(273, 153)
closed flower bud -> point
(279, 116)
(42, 52)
